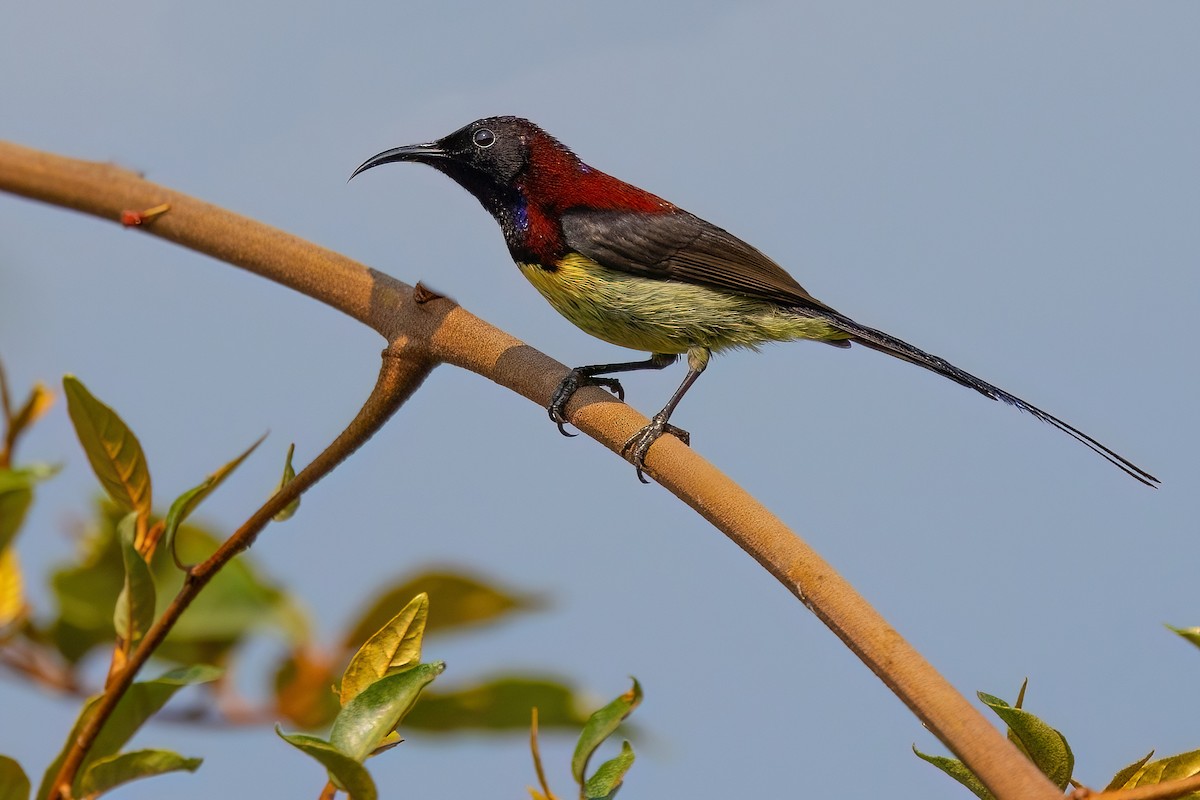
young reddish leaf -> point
(289, 474)
(1045, 746)
(346, 773)
(600, 726)
(607, 779)
(957, 770)
(135, 608)
(12, 592)
(108, 773)
(377, 710)
(302, 683)
(1171, 768)
(141, 702)
(395, 646)
(114, 452)
(14, 783)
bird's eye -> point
(484, 138)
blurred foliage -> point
(142, 701)
(237, 602)
(499, 704)
(118, 582)
(457, 600)
(14, 783)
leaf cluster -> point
(1047, 747)
(131, 561)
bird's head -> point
(525, 177)
(488, 157)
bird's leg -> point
(638, 445)
(586, 376)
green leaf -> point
(14, 783)
(114, 452)
(378, 709)
(456, 600)
(108, 773)
(345, 772)
(499, 704)
(603, 785)
(957, 770)
(135, 608)
(141, 702)
(16, 495)
(395, 646)
(1120, 779)
(237, 602)
(600, 726)
(289, 474)
(1191, 634)
(187, 502)
(14, 502)
(1045, 746)
(1172, 768)
(12, 590)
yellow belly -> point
(662, 316)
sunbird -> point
(637, 271)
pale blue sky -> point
(1016, 188)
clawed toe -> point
(637, 446)
(566, 390)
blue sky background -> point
(1015, 188)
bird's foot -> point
(575, 380)
(638, 445)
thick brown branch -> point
(450, 334)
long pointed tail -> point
(884, 343)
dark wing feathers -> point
(681, 246)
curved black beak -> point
(413, 152)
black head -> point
(486, 157)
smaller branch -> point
(39, 668)
(401, 373)
(329, 792)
